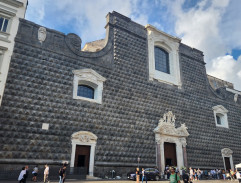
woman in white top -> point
(46, 174)
(21, 175)
(238, 176)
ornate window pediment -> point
(166, 126)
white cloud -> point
(214, 28)
(227, 68)
(36, 10)
(87, 18)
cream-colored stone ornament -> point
(235, 97)
(226, 152)
(42, 33)
(84, 136)
(166, 126)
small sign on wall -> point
(45, 126)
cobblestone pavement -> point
(126, 181)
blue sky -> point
(212, 26)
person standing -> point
(198, 174)
(238, 176)
(35, 173)
(26, 174)
(191, 173)
(174, 178)
(143, 175)
(21, 175)
(46, 173)
(137, 175)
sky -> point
(212, 26)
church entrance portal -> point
(83, 150)
(170, 154)
(170, 143)
(82, 157)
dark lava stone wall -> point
(40, 86)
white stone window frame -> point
(90, 78)
(222, 112)
(157, 38)
(7, 14)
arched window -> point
(85, 91)
(161, 60)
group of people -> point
(174, 175)
(22, 178)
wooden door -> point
(170, 154)
(82, 157)
(227, 163)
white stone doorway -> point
(81, 142)
(166, 132)
(227, 155)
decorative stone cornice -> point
(84, 136)
(14, 3)
(151, 28)
(220, 109)
(89, 74)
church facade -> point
(138, 97)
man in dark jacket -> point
(26, 175)
(185, 177)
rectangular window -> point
(3, 24)
(218, 120)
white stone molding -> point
(42, 33)
(235, 92)
(167, 132)
(91, 78)
(226, 152)
(171, 45)
(221, 111)
(84, 138)
(235, 98)
(11, 10)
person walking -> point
(61, 174)
(185, 177)
(64, 172)
(143, 175)
(46, 174)
(35, 173)
(174, 178)
(21, 175)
